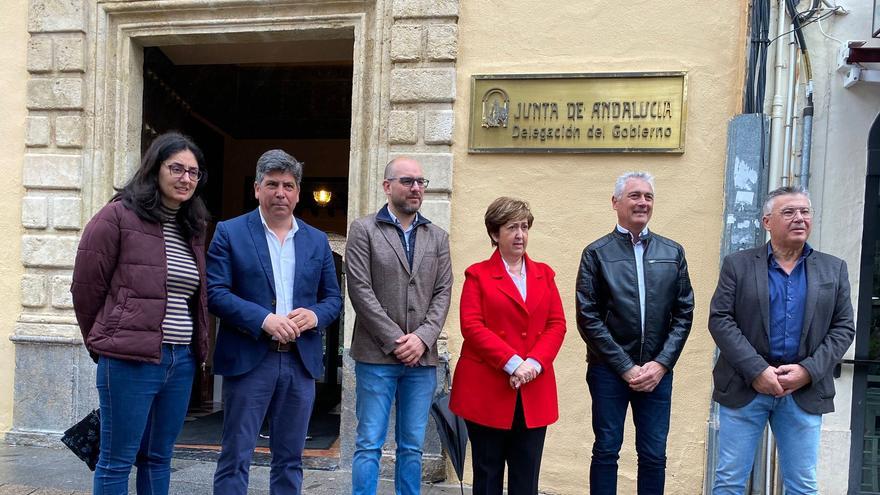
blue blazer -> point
(241, 292)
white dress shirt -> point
(283, 257)
(639, 249)
(520, 282)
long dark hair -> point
(142, 194)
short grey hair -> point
(770, 200)
(278, 161)
(620, 184)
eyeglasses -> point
(177, 170)
(791, 213)
(409, 181)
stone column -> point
(422, 43)
(54, 377)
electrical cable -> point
(756, 71)
(796, 22)
(759, 46)
(762, 59)
(821, 30)
(822, 17)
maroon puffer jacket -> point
(119, 287)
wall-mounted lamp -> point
(322, 196)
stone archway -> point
(84, 100)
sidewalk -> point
(43, 471)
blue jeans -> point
(797, 439)
(143, 406)
(412, 389)
(611, 396)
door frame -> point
(870, 235)
(116, 88)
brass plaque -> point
(578, 113)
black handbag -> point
(84, 438)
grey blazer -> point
(739, 323)
(388, 297)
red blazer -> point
(496, 324)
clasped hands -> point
(286, 329)
(646, 377)
(409, 349)
(781, 381)
(524, 373)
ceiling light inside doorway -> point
(322, 196)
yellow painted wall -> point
(570, 194)
(13, 77)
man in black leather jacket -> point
(634, 310)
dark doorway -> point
(865, 444)
(237, 101)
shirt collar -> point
(808, 250)
(522, 270)
(384, 215)
(634, 240)
(294, 226)
(396, 221)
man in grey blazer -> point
(782, 318)
(399, 277)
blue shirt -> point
(406, 231)
(788, 297)
(406, 236)
(283, 256)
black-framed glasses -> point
(177, 170)
(409, 181)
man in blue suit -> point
(272, 283)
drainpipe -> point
(762, 471)
(796, 124)
(777, 109)
(807, 137)
(787, 148)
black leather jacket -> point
(608, 312)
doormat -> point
(207, 430)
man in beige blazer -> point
(399, 278)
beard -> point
(403, 206)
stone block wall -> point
(423, 48)
(422, 45)
(70, 148)
(54, 375)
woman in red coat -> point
(513, 326)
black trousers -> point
(520, 447)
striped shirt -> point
(182, 282)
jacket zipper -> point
(641, 319)
(650, 262)
(642, 346)
(165, 310)
(645, 281)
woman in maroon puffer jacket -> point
(139, 297)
